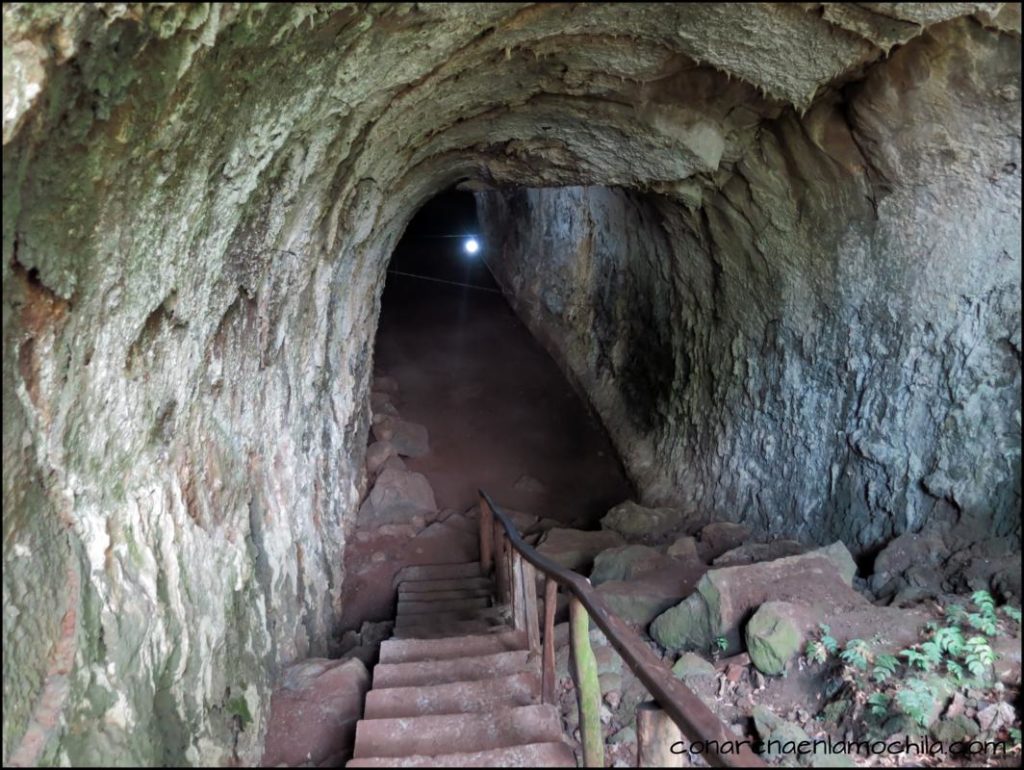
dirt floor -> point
(500, 415)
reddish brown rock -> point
(313, 715)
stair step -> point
(445, 584)
(442, 605)
(457, 733)
(469, 569)
(465, 669)
(431, 596)
(552, 754)
(411, 650)
(445, 630)
(441, 619)
(520, 689)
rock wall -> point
(826, 343)
(199, 203)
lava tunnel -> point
(739, 345)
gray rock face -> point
(397, 496)
(636, 522)
(778, 349)
(798, 294)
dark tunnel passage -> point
(498, 413)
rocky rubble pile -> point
(739, 620)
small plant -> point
(915, 700)
(916, 658)
(1013, 613)
(885, 667)
(878, 703)
(818, 650)
(857, 654)
(718, 645)
(950, 639)
(985, 619)
(978, 655)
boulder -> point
(313, 716)
(395, 462)
(721, 536)
(377, 454)
(408, 438)
(627, 562)
(904, 552)
(576, 549)
(637, 523)
(750, 553)
(684, 549)
(396, 497)
(691, 666)
(774, 636)
(641, 600)
(725, 596)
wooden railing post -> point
(530, 604)
(588, 688)
(516, 575)
(486, 537)
(682, 707)
(548, 659)
(501, 566)
(655, 735)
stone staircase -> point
(456, 686)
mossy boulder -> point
(773, 636)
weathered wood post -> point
(520, 620)
(588, 688)
(530, 606)
(501, 566)
(655, 735)
(486, 537)
(548, 659)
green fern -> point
(985, 603)
(885, 667)
(978, 655)
(856, 654)
(916, 700)
(815, 651)
(826, 639)
(916, 659)
(955, 670)
(982, 622)
(1012, 612)
(878, 703)
(950, 639)
(956, 613)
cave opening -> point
(464, 398)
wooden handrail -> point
(722, 748)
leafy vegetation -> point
(953, 653)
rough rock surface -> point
(397, 496)
(824, 341)
(725, 597)
(577, 548)
(638, 523)
(721, 536)
(628, 562)
(773, 637)
(314, 714)
(799, 298)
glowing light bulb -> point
(472, 246)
